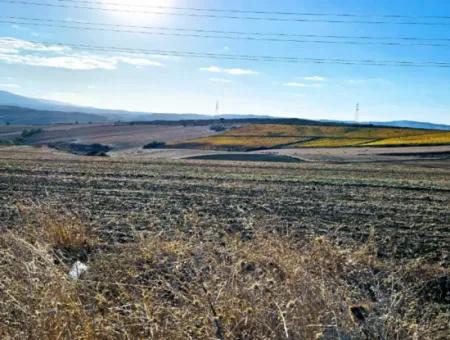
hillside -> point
(413, 125)
(396, 123)
(254, 137)
(117, 136)
(8, 99)
(22, 116)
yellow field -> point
(264, 130)
(224, 141)
(331, 142)
(378, 133)
(309, 136)
(425, 139)
(272, 130)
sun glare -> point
(139, 11)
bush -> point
(30, 133)
(6, 142)
(218, 128)
(82, 149)
(154, 145)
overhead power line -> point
(161, 31)
(229, 35)
(239, 11)
(98, 7)
(245, 57)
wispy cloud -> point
(220, 80)
(16, 51)
(138, 61)
(364, 81)
(10, 86)
(304, 85)
(230, 71)
(25, 29)
(18, 45)
(314, 78)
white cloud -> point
(73, 62)
(10, 86)
(304, 85)
(16, 51)
(212, 69)
(220, 80)
(138, 61)
(230, 71)
(240, 72)
(314, 78)
(17, 45)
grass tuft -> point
(192, 285)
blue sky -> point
(178, 84)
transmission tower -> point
(217, 108)
(357, 110)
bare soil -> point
(118, 136)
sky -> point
(37, 61)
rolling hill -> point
(23, 116)
(271, 136)
(8, 99)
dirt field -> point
(120, 137)
(372, 154)
(406, 205)
(206, 249)
(321, 155)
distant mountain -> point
(413, 125)
(397, 123)
(23, 116)
(11, 99)
(8, 99)
(18, 109)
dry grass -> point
(58, 230)
(200, 285)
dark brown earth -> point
(406, 206)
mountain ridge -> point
(18, 109)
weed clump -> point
(186, 285)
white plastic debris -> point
(77, 270)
